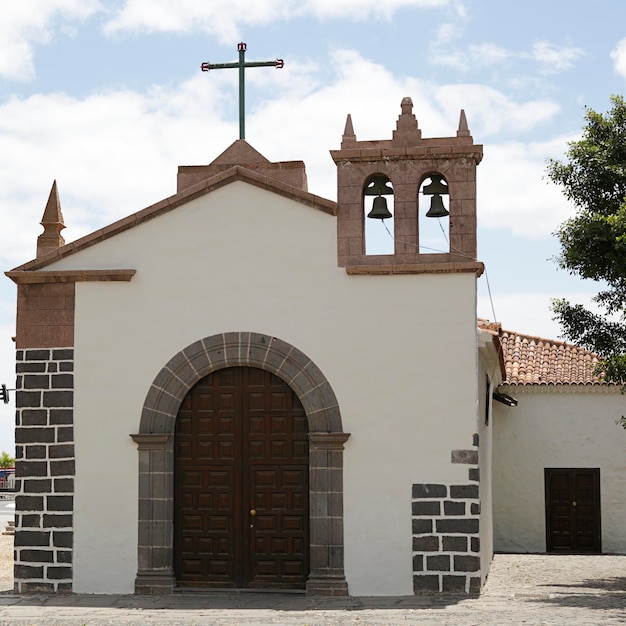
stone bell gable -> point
(406, 161)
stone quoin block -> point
(34, 417)
(62, 572)
(36, 556)
(36, 452)
(453, 508)
(425, 544)
(30, 520)
(63, 381)
(464, 492)
(58, 398)
(29, 503)
(438, 563)
(34, 435)
(426, 508)
(63, 539)
(38, 538)
(454, 544)
(57, 521)
(466, 563)
(429, 491)
(454, 584)
(426, 583)
(469, 526)
(422, 526)
(35, 587)
(38, 486)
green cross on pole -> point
(205, 67)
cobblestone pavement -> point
(521, 589)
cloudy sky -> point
(107, 97)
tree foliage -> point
(6, 460)
(593, 241)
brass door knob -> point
(252, 512)
(574, 504)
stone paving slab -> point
(521, 589)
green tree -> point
(6, 460)
(593, 241)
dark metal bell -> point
(436, 186)
(436, 207)
(379, 209)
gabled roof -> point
(235, 173)
(530, 360)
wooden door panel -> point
(573, 510)
(241, 443)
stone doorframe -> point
(155, 442)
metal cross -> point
(205, 67)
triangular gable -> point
(239, 152)
(233, 174)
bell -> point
(379, 209)
(436, 186)
(378, 185)
(436, 207)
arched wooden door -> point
(241, 489)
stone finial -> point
(407, 132)
(349, 138)
(463, 130)
(52, 222)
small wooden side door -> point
(573, 510)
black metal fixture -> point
(4, 393)
(379, 186)
(504, 398)
(436, 189)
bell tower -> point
(413, 172)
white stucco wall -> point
(572, 428)
(488, 376)
(399, 352)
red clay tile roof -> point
(532, 360)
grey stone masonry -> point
(44, 470)
(446, 546)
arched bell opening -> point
(434, 214)
(378, 210)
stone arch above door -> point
(156, 456)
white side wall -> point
(399, 352)
(572, 428)
(488, 377)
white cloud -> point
(491, 112)
(555, 58)
(225, 18)
(476, 56)
(514, 192)
(618, 54)
(27, 23)
(550, 57)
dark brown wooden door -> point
(573, 510)
(241, 517)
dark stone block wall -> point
(446, 544)
(44, 470)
